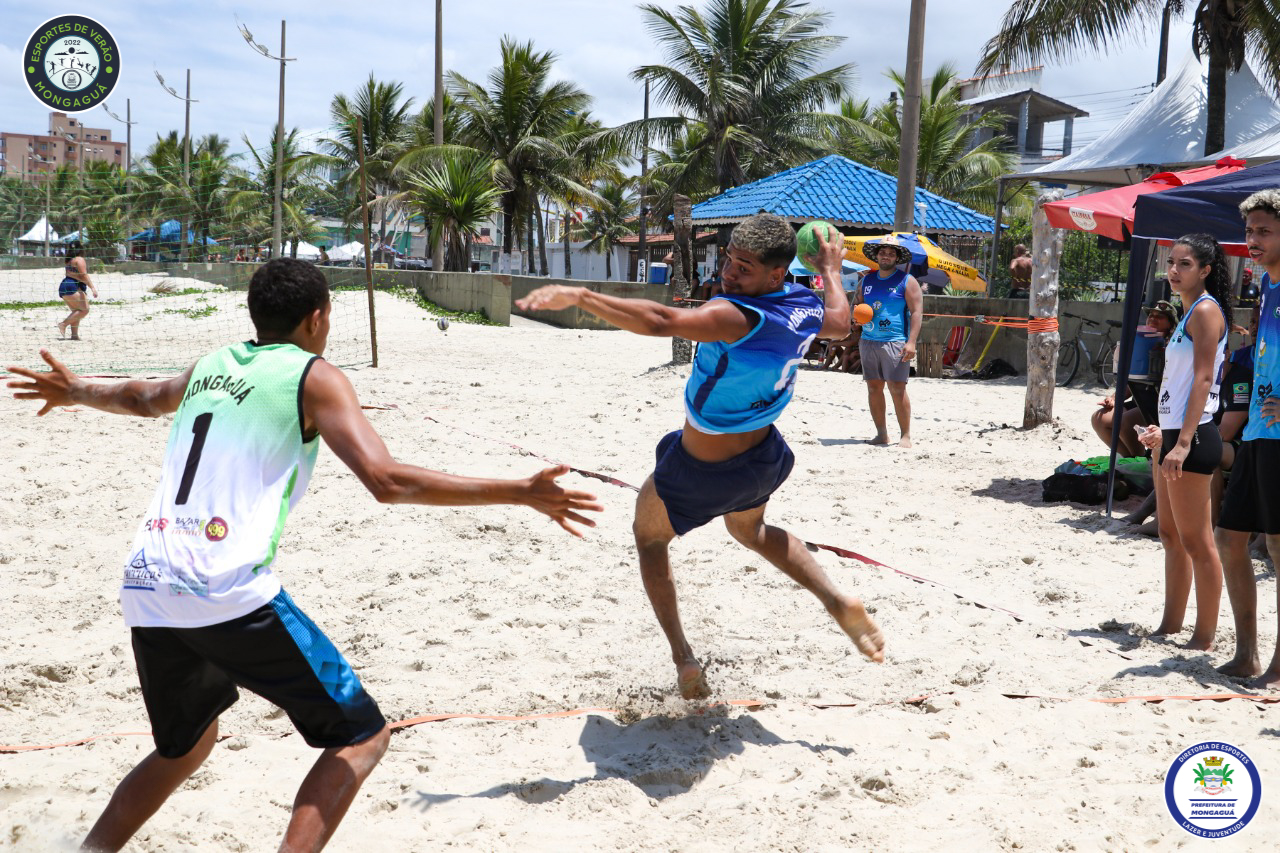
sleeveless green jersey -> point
(235, 464)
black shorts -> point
(1252, 501)
(1205, 455)
(189, 677)
(696, 492)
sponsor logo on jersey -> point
(141, 574)
(216, 530)
(155, 524)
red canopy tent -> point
(1110, 212)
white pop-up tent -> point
(1166, 130)
(307, 252)
(354, 249)
(38, 234)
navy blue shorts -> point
(70, 287)
(696, 492)
(189, 677)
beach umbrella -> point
(1110, 212)
(846, 265)
(923, 251)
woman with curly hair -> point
(1187, 444)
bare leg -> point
(1242, 592)
(1272, 676)
(1129, 443)
(653, 533)
(902, 408)
(141, 794)
(73, 303)
(1177, 565)
(328, 790)
(875, 402)
(1144, 510)
(1189, 498)
(789, 554)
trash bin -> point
(658, 274)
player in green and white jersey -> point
(206, 613)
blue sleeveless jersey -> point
(745, 385)
(1266, 362)
(888, 296)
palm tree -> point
(945, 165)
(161, 190)
(384, 120)
(1224, 31)
(744, 81)
(607, 223)
(251, 198)
(520, 121)
(457, 197)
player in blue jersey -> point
(889, 341)
(729, 458)
(1252, 501)
(205, 612)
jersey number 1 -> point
(199, 428)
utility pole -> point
(903, 218)
(128, 164)
(642, 265)
(277, 218)
(437, 243)
(186, 159)
(1162, 63)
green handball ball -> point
(807, 242)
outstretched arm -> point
(717, 320)
(60, 387)
(331, 408)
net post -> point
(368, 257)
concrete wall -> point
(576, 318)
(483, 292)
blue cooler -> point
(658, 274)
(1142, 367)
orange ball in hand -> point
(863, 313)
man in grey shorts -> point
(889, 341)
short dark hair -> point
(282, 292)
(767, 236)
(74, 250)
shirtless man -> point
(1020, 273)
(729, 458)
(206, 613)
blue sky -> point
(598, 43)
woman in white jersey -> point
(1189, 448)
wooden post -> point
(681, 267)
(1042, 346)
(368, 262)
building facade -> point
(29, 156)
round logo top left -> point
(71, 63)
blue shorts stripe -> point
(330, 667)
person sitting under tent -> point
(1161, 318)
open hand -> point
(551, 297)
(830, 251)
(54, 387)
(562, 505)
(1270, 411)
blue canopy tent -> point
(1208, 207)
(170, 232)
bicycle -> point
(1071, 352)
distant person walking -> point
(75, 281)
(1020, 273)
(888, 342)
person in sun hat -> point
(889, 341)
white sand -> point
(497, 611)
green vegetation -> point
(411, 294)
(193, 313)
(22, 306)
(186, 291)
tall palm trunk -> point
(568, 261)
(531, 234)
(542, 238)
(508, 223)
(608, 261)
(1215, 135)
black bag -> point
(1081, 488)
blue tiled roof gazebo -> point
(842, 192)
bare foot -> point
(905, 441)
(692, 681)
(62, 331)
(882, 440)
(1241, 666)
(1198, 645)
(1270, 678)
(853, 619)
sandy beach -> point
(496, 611)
